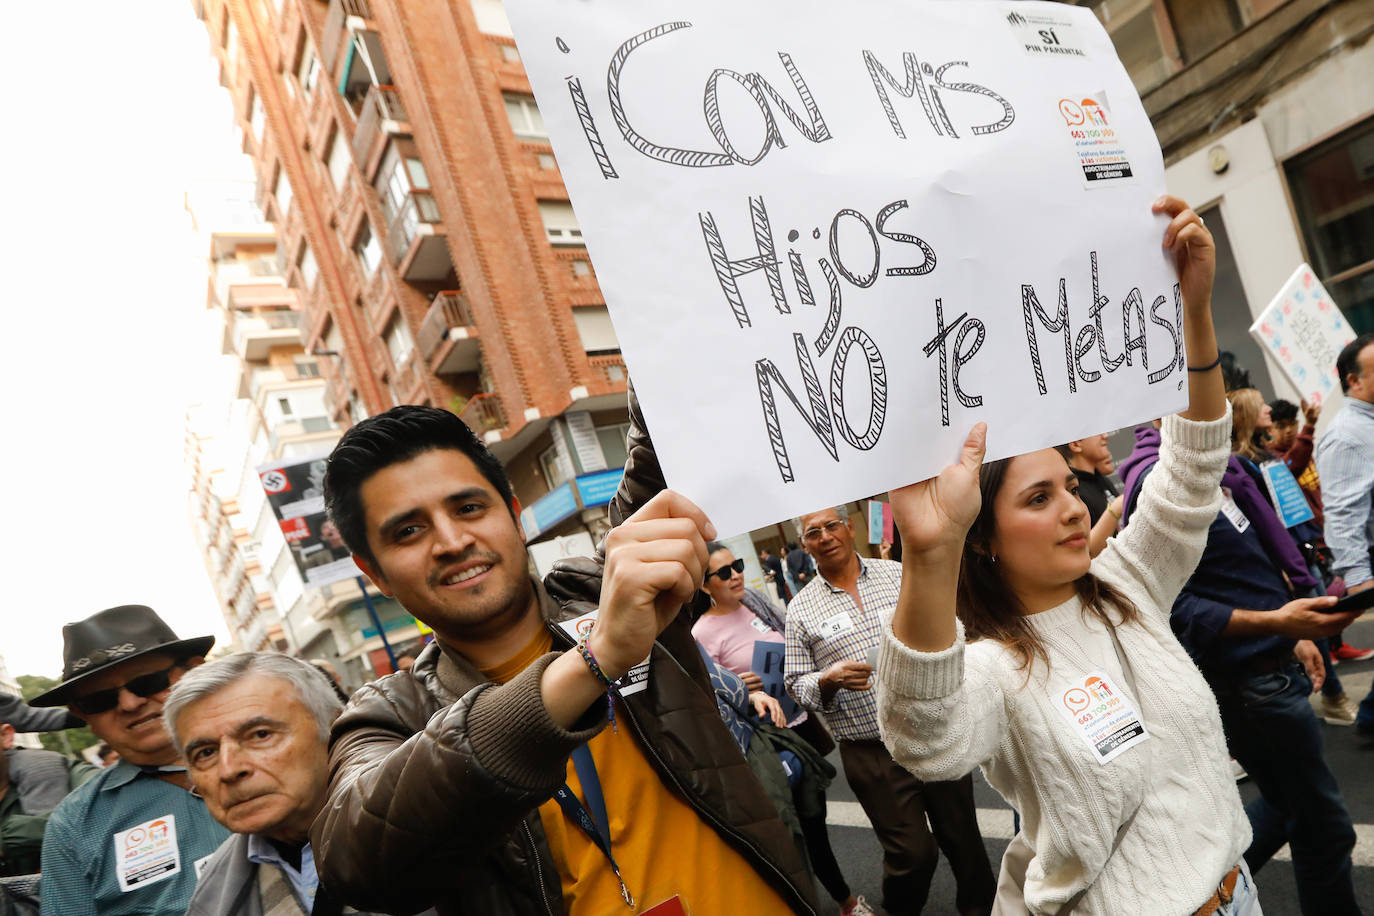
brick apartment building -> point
(424, 229)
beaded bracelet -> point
(585, 651)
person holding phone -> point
(1060, 674)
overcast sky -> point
(104, 344)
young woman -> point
(1060, 675)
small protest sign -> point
(295, 491)
(1286, 494)
(767, 664)
(1304, 331)
(865, 227)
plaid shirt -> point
(824, 626)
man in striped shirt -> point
(833, 629)
(1345, 465)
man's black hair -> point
(1281, 411)
(398, 435)
(1348, 363)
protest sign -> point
(875, 521)
(1286, 494)
(768, 665)
(1304, 331)
(835, 236)
(295, 491)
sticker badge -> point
(1232, 511)
(1103, 716)
(1097, 144)
(759, 625)
(147, 853)
(1045, 34)
(834, 626)
(633, 681)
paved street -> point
(1350, 755)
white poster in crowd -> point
(295, 491)
(1304, 332)
(833, 236)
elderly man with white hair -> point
(253, 729)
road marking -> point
(996, 823)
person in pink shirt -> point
(738, 619)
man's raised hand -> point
(655, 563)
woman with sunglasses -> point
(738, 618)
(1059, 674)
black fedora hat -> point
(111, 637)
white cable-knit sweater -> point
(944, 713)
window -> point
(560, 224)
(401, 172)
(306, 367)
(256, 119)
(368, 249)
(547, 162)
(398, 340)
(612, 439)
(581, 267)
(1201, 26)
(555, 471)
(285, 405)
(1333, 192)
(282, 191)
(491, 17)
(339, 157)
(595, 329)
(1134, 30)
(524, 116)
(309, 71)
(309, 269)
(509, 52)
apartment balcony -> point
(484, 416)
(270, 377)
(448, 337)
(382, 117)
(256, 333)
(417, 242)
(291, 430)
(350, 14)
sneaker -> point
(1348, 653)
(1338, 710)
(859, 908)
(1238, 771)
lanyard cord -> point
(594, 823)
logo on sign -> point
(275, 482)
(1076, 700)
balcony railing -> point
(482, 413)
(419, 210)
(275, 376)
(382, 113)
(448, 310)
(406, 376)
(339, 13)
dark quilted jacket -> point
(436, 774)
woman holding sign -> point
(1059, 675)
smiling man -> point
(129, 839)
(834, 625)
(486, 780)
(253, 729)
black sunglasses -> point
(145, 685)
(724, 573)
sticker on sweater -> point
(1232, 511)
(147, 853)
(1103, 716)
(760, 625)
(633, 681)
(834, 626)
(671, 907)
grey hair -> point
(312, 686)
(841, 513)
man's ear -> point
(374, 574)
(1076, 446)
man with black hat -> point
(132, 839)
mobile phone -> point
(1360, 601)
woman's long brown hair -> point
(988, 606)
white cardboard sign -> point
(1304, 331)
(834, 236)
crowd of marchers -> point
(1111, 646)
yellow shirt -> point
(662, 847)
